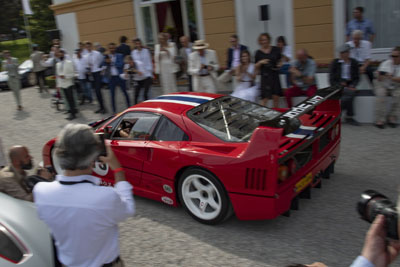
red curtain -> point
(161, 9)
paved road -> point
(326, 228)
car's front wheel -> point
(204, 197)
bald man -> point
(13, 178)
(302, 77)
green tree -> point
(10, 16)
(41, 21)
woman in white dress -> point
(245, 75)
(165, 66)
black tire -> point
(226, 209)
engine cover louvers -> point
(255, 179)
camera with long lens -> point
(373, 203)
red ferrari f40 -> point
(218, 155)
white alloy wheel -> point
(201, 197)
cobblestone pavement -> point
(326, 228)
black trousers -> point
(69, 94)
(190, 83)
(96, 84)
(40, 79)
(143, 84)
(369, 72)
(347, 101)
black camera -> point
(373, 203)
(131, 71)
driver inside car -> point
(124, 129)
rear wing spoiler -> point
(289, 120)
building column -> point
(69, 34)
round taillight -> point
(283, 173)
(333, 133)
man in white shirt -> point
(144, 69)
(94, 60)
(80, 68)
(203, 66)
(361, 51)
(388, 84)
(65, 74)
(82, 216)
(83, 49)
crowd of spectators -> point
(138, 68)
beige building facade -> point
(317, 25)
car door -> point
(129, 140)
(163, 158)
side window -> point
(113, 124)
(136, 126)
(167, 131)
(9, 249)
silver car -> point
(24, 239)
(28, 78)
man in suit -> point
(115, 64)
(123, 48)
(344, 71)
(233, 55)
(93, 60)
(65, 74)
(203, 66)
(183, 57)
(38, 68)
(10, 64)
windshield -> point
(231, 119)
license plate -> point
(303, 182)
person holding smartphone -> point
(83, 216)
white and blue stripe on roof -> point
(191, 100)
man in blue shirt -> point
(114, 63)
(359, 23)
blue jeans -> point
(285, 70)
(117, 81)
(86, 89)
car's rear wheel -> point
(204, 197)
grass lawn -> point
(19, 48)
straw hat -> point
(200, 44)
